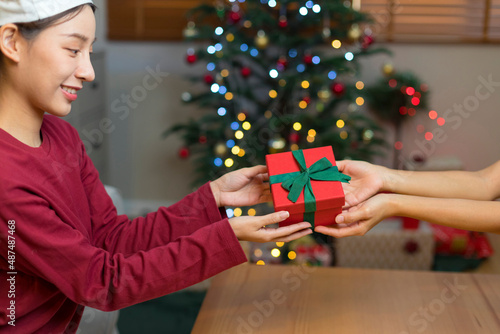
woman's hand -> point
(366, 180)
(243, 187)
(253, 228)
(361, 218)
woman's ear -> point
(10, 39)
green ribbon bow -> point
(295, 182)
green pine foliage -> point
(272, 64)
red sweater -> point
(71, 249)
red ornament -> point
(246, 71)
(202, 139)
(338, 88)
(282, 63)
(283, 22)
(294, 137)
(367, 41)
(191, 58)
(184, 152)
(234, 17)
(308, 59)
(209, 79)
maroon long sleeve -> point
(73, 250)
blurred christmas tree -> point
(280, 75)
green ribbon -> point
(295, 182)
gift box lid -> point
(328, 194)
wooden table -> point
(275, 299)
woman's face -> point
(56, 63)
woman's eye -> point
(73, 51)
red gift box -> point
(329, 195)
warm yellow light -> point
(230, 37)
(235, 150)
(242, 117)
(294, 147)
(360, 101)
(273, 94)
(360, 85)
(312, 133)
(229, 96)
(268, 114)
(282, 82)
(241, 153)
(224, 73)
(238, 212)
(275, 252)
(239, 134)
(247, 24)
(297, 126)
(252, 212)
(246, 126)
(292, 255)
(310, 139)
(305, 84)
(343, 135)
(257, 252)
(336, 44)
(229, 162)
(260, 263)
(340, 124)
(302, 104)
(280, 244)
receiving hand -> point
(243, 187)
(366, 180)
(252, 228)
(359, 219)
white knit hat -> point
(22, 11)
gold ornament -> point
(354, 33)
(220, 149)
(261, 40)
(388, 69)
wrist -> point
(388, 177)
(215, 192)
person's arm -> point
(472, 215)
(480, 185)
(368, 180)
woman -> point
(63, 245)
(459, 199)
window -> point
(395, 20)
(435, 20)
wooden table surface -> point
(291, 299)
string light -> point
(292, 255)
(252, 212)
(336, 44)
(246, 126)
(282, 82)
(343, 135)
(433, 114)
(310, 139)
(398, 145)
(297, 126)
(235, 150)
(349, 56)
(230, 143)
(275, 252)
(441, 121)
(221, 111)
(360, 101)
(229, 213)
(360, 85)
(230, 37)
(228, 96)
(268, 114)
(280, 244)
(273, 73)
(332, 75)
(302, 104)
(241, 153)
(224, 73)
(305, 84)
(340, 124)
(429, 136)
(260, 263)
(219, 31)
(241, 116)
(294, 147)
(239, 134)
(273, 94)
(229, 162)
(238, 212)
(257, 252)
(311, 133)
(218, 162)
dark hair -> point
(31, 30)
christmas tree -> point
(280, 75)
